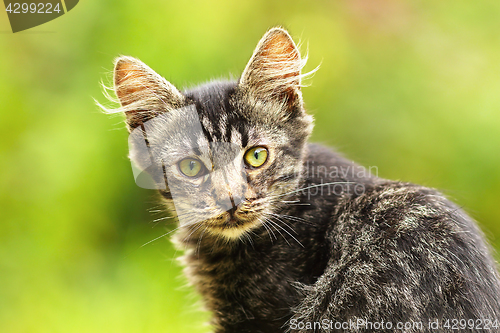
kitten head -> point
(225, 154)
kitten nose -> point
(229, 188)
(230, 204)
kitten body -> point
(305, 240)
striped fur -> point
(285, 248)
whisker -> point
(276, 216)
(293, 218)
(297, 204)
(276, 225)
(153, 240)
(309, 187)
(198, 246)
(186, 239)
(288, 232)
(163, 219)
(168, 233)
(269, 230)
(247, 236)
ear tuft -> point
(274, 69)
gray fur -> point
(290, 246)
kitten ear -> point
(143, 94)
(274, 69)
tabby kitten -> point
(282, 235)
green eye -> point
(255, 157)
(190, 167)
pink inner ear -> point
(129, 81)
(274, 69)
(280, 62)
(280, 55)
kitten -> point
(282, 235)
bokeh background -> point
(409, 87)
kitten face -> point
(225, 153)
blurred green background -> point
(409, 87)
